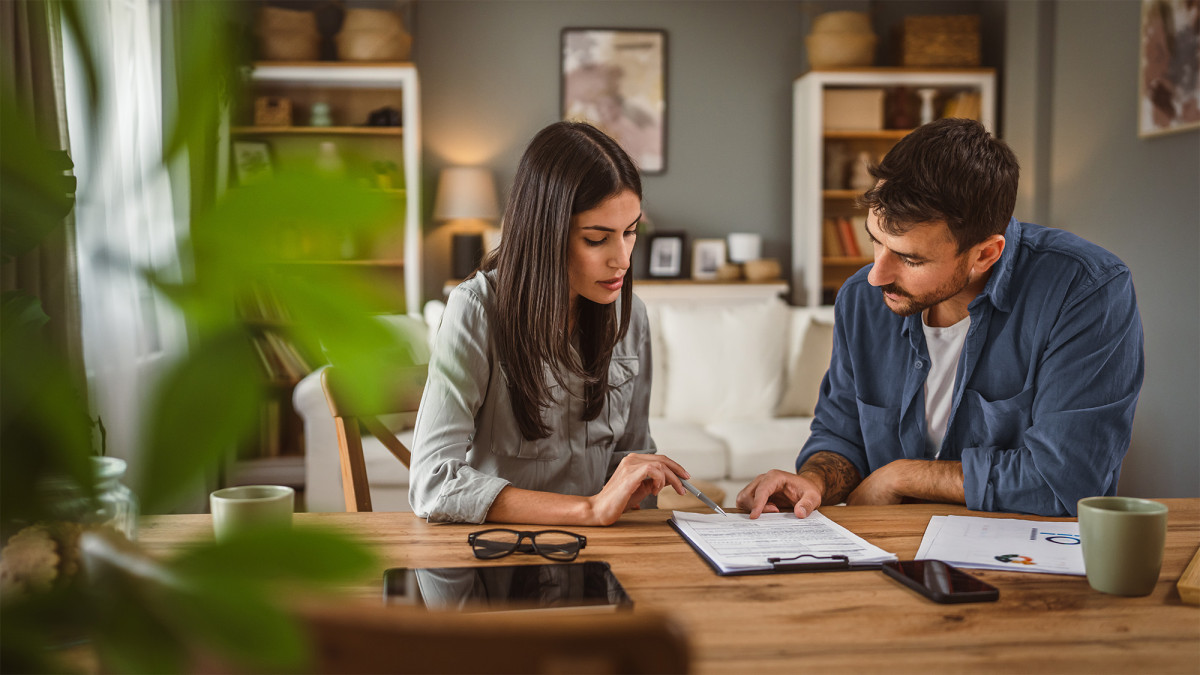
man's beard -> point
(915, 305)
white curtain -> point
(124, 214)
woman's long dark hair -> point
(568, 168)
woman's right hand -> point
(637, 476)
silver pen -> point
(704, 498)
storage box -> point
(272, 111)
(951, 40)
(853, 109)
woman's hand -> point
(637, 476)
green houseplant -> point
(213, 601)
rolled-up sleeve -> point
(1087, 387)
(835, 426)
(442, 485)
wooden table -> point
(836, 621)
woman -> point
(536, 406)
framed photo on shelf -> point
(707, 257)
(666, 255)
(1168, 99)
(252, 162)
(616, 80)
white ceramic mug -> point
(236, 509)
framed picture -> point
(707, 257)
(666, 255)
(616, 80)
(1168, 87)
(252, 161)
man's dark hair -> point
(951, 170)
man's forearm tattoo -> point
(836, 472)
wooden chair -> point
(357, 638)
(407, 384)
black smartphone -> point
(940, 582)
(507, 587)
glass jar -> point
(113, 505)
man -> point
(979, 360)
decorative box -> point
(272, 111)
(853, 109)
(951, 40)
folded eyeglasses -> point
(558, 545)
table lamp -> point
(466, 197)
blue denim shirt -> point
(1045, 389)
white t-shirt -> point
(945, 347)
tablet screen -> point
(507, 587)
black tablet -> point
(507, 587)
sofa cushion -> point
(756, 447)
(723, 362)
(810, 347)
(701, 454)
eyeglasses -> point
(553, 544)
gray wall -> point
(1139, 198)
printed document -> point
(1006, 544)
(734, 543)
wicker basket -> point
(272, 111)
(373, 35)
(287, 35)
(940, 41)
(841, 40)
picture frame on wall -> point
(707, 257)
(1168, 88)
(615, 79)
(666, 255)
(252, 162)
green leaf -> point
(204, 406)
(37, 191)
(279, 555)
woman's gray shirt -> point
(467, 446)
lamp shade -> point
(466, 192)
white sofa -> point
(734, 387)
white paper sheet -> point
(735, 543)
(1005, 544)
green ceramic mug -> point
(236, 509)
(1123, 539)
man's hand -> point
(777, 490)
(933, 481)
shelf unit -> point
(816, 277)
(352, 91)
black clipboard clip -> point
(820, 563)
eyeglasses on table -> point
(558, 545)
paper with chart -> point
(1006, 544)
(734, 543)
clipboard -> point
(832, 563)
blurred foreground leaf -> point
(217, 602)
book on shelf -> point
(270, 430)
(858, 225)
(846, 237)
(966, 104)
(293, 365)
(831, 246)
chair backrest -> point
(357, 638)
(407, 385)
